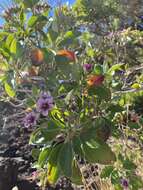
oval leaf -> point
(9, 90)
(100, 153)
(65, 159)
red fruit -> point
(67, 53)
(95, 80)
(37, 57)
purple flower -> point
(44, 104)
(120, 72)
(30, 119)
(125, 183)
(61, 81)
(141, 17)
(87, 67)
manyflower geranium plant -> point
(71, 126)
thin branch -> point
(129, 90)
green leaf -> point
(129, 165)
(43, 156)
(99, 130)
(136, 86)
(13, 46)
(98, 69)
(76, 174)
(133, 125)
(30, 102)
(54, 173)
(136, 182)
(106, 172)
(9, 90)
(52, 36)
(22, 17)
(113, 109)
(49, 130)
(4, 67)
(32, 21)
(115, 178)
(35, 153)
(56, 115)
(3, 34)
(90, 52)
(101, 153)
(118, 187)
(42, 21)
(65, 68)
(69, 38)
(5, 53)
(115, 68)
(35, 90)
(37, 138)
(16, 48)
(69, 96)
(103, 128)
(102, 92)
(88, 134)
(54, 155)
(9, 40)
(77, 146)
(66, 158)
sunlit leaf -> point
(53, 173)
(32, 21)
(9, 90)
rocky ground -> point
(15, 152)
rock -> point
(24, 184)
(8, 173)
(15, 188)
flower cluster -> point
(43, 106)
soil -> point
(15, 151)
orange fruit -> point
(67, 53)
(37, 57)
(95, 80)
